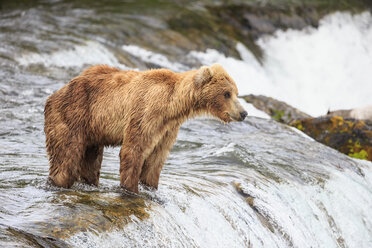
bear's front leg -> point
(131, 161)
(154, 163)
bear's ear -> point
(217, 67)
(203, 76)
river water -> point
(257, 183)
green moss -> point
(357, 144)
(277, 115)
(300, 127)
(360, 155)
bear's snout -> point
(243, 115)
(237, 113)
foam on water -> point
(331, 207)
(152, 57)
(90, 53)
(313, 69)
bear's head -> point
(218, 94)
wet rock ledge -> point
(351, 136)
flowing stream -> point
(257, 183)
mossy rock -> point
(349, 136)
(278, 110)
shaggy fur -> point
(139, 111)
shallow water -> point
(252, 184)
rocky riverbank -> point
(348, 131)
(350, 136)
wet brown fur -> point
(140, 111)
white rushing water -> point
(149, 56)
(89, 53)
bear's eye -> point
(227, 95)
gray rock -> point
(360, 113)
(278, 110)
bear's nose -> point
(243, 114)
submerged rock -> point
(349, 136)
(278, 110)
(97, 212)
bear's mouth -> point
(225, 118)
(232, 118)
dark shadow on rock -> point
(29, 239)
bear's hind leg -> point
(91, 165)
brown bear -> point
(140, 111)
